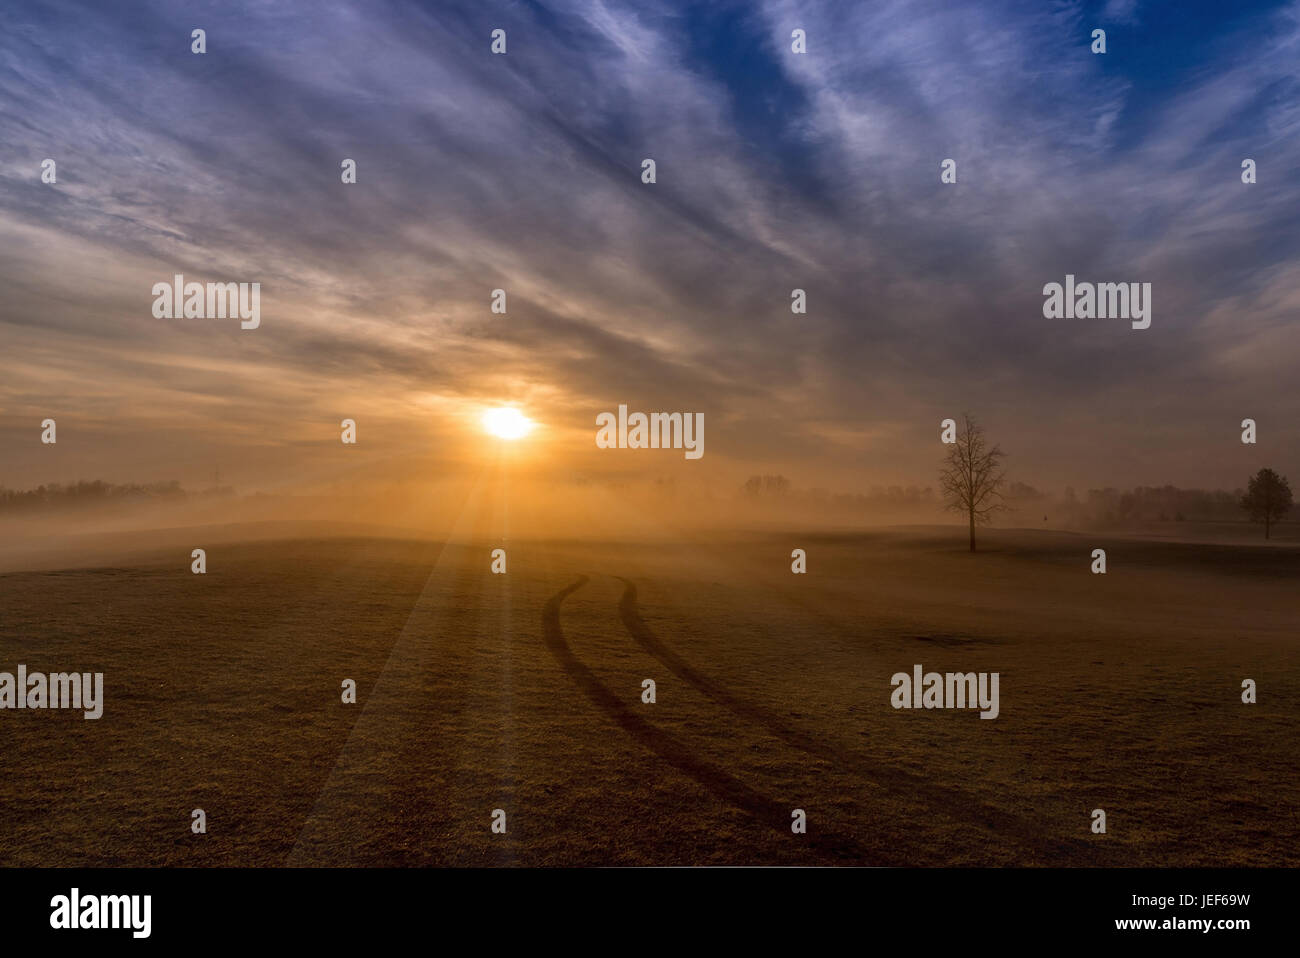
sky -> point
(775, 170)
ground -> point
(523, 692)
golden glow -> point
(507, 423)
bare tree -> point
(972, 476)
(1267, 498)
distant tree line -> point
(779, 487)
(973, 483)
(767, 486)
(1111, 506)
(57, 495)
(1028, 505)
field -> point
(522, 692)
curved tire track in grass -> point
(720, 783)
(1006, 826)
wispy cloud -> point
(776, 170)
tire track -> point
(1006, 826)
(720, 783)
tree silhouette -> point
(972, 478)
(1267, 498)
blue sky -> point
(775, 171)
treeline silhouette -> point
(780, 488)
(79, 494)
(1152, 504)
(1026, 504)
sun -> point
(507, 423)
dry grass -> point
(222, 692)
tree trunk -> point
(972, 531)
(1265, 527)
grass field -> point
(523, 692)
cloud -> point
(776, 171)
